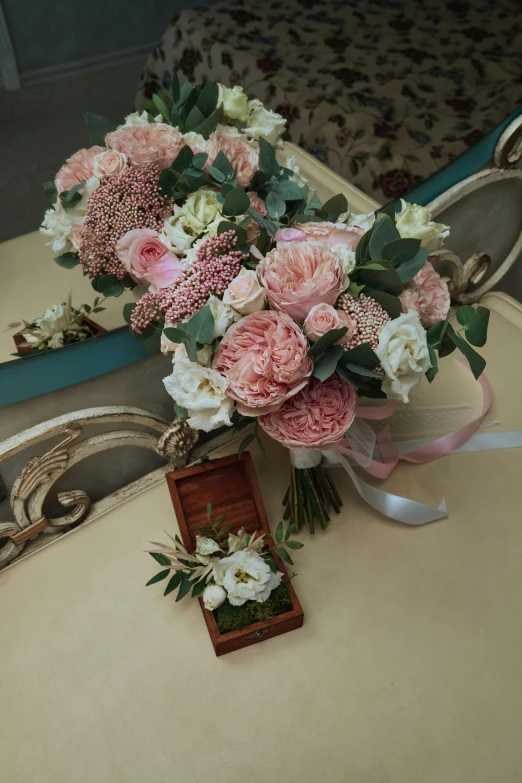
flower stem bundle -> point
(310, 497)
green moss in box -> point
(235, 618)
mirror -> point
(32, 283)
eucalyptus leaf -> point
(328, 339)
(477, 331)
(208, 98)
(386, 280)
(175, 334)
(376, 267)
(400, 250)
(476, 362)
(97, 128)
(49, 191)
(68, 260)
(182, 160)
(392, 304)
(199, 160)
(408, 269)
(289, 190)
(435, 333)
(334, 207)
(190, 346)
(222, 163)
(362, 355)
(71, 197)
(195, 118)
(109, 285)
(226, 225)
(180, 411)
(432, 372)
(383, 232)
(362, 250)
(201, 325)
(326, 364)
(357, 368)
(275, 205)
(216, 173)
(236, 203)
(267, 159)
(127, 311)
(389, 210)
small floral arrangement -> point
(237, 569)
(61, 324)
(134, 207)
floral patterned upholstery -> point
(383, 92)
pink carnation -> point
(243, 156)
(428, 294)
(330, 233)
(317, 417)
(264, 358)
(155, 143)
(299, 275)
(77, 168)
(147, 260)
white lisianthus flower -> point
(55, 319)
(364, 221)
(134, 120)
(346, 257)
(203, 392)
(194, 139)
(246, 577)
(213, 597)
(403, 353)
(224, 316)
(58, 225)
(297, 177)
(264, 122)
(234, 102)
(413, 222)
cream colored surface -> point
(407, 669)
(32, 281)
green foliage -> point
(386, 279)
(475, 322)
(108, 285)
(383, 231)
(327, 362)
(443, 339)
(332, 208)
(97, 128)
(267, 159)
(72, 196)
(392, 304)
(236, 202)
(275, 205)
(127, 311)
(328, 339)
(68, 260)
(49, 191)
(235, 618)
(198, 330)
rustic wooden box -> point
(230, 484)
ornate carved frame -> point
(30, 529)
(508, 153)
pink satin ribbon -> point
(390, 457)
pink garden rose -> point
(428, 294)
(299, 275)
(155, 143)
(77, 168)
(257, 203)
(317, 417)
(147, 260)
(264, 358)
(109, 162)
(330, 233)
(322, 318)
(243, 155)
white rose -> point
(134, 120)
(108, 163)
(297, 177)
(365, 221)
(264, 122)
(403, 353)
(234, 102)
(174, 235)
(413, 222)
(213, 597)
(224, 316)
(199, 210)
(346, 257)
(202, 391)
(246, 577)
(245, 294)
(196, 140)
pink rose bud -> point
(108, 163)
(147, 260)
(320, 320)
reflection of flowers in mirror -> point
(61, 324)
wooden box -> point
(19, 338)
(230, 484)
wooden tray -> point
(230, 484)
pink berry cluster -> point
(217, 263)
(368, 316)
(132, 199)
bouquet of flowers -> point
(323, 309)
(134, 207)
(228, 571)
(61, 324)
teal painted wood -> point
(22, 379)
(462, 167)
